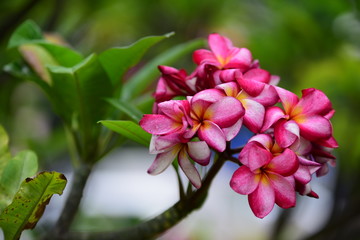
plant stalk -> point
(62, 226)
(154, 227)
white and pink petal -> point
(199, 152)
(254, 115)
(189, 169)
(163, 160)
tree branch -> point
(165, 220)
(72, 203)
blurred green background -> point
(307, 43)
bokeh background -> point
(307, 43)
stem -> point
(181, 186)
(72, 203)
(165, 220)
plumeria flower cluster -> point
(292, 139)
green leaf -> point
(149, 73)
(126, 108)
(116, 61)
(130, 130)
(5, 155)
(38, 55)
(23, 165)
(80, 91)
(25, 33)
(65, 56)
(4, 141)
(29, 203)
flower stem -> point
(165, 220)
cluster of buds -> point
(228, 90)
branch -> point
(71, 206)
(162, 222)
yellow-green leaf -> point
(29, 203)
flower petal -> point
(258, 74)
(225, 76)
(268, 97)
(252, 81)
(302, 175)
(311, 165)
(286, 133)
(262, 200)
(231, 89)
(163, 92)
(163, 160)
(272, 115)
(244, 181)
(174, 109)
(212, 135)
(159, 124)
(314, 127)
(284, 164)
(330, 142)
(312, 102)
(201, 55)
(285, 195)
(199, 152)
(159, 144)
(225, 112)
(189, 169)
(274, 80)
(239, 58)
(254, 156)
(264, 139)
(324, 169)
(208, 95)
(220, 46)
(303, 148)
(254, 115)
(232, 131)
(288, 99)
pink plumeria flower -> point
(172, 146)
(254, 106)
(308, 117)
(172, 117)
(214, 117)
(220, 64)
(174, 82)
(264, 175)
(223, 54)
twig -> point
(71, 206)
(162, 222)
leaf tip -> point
(170, 34)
